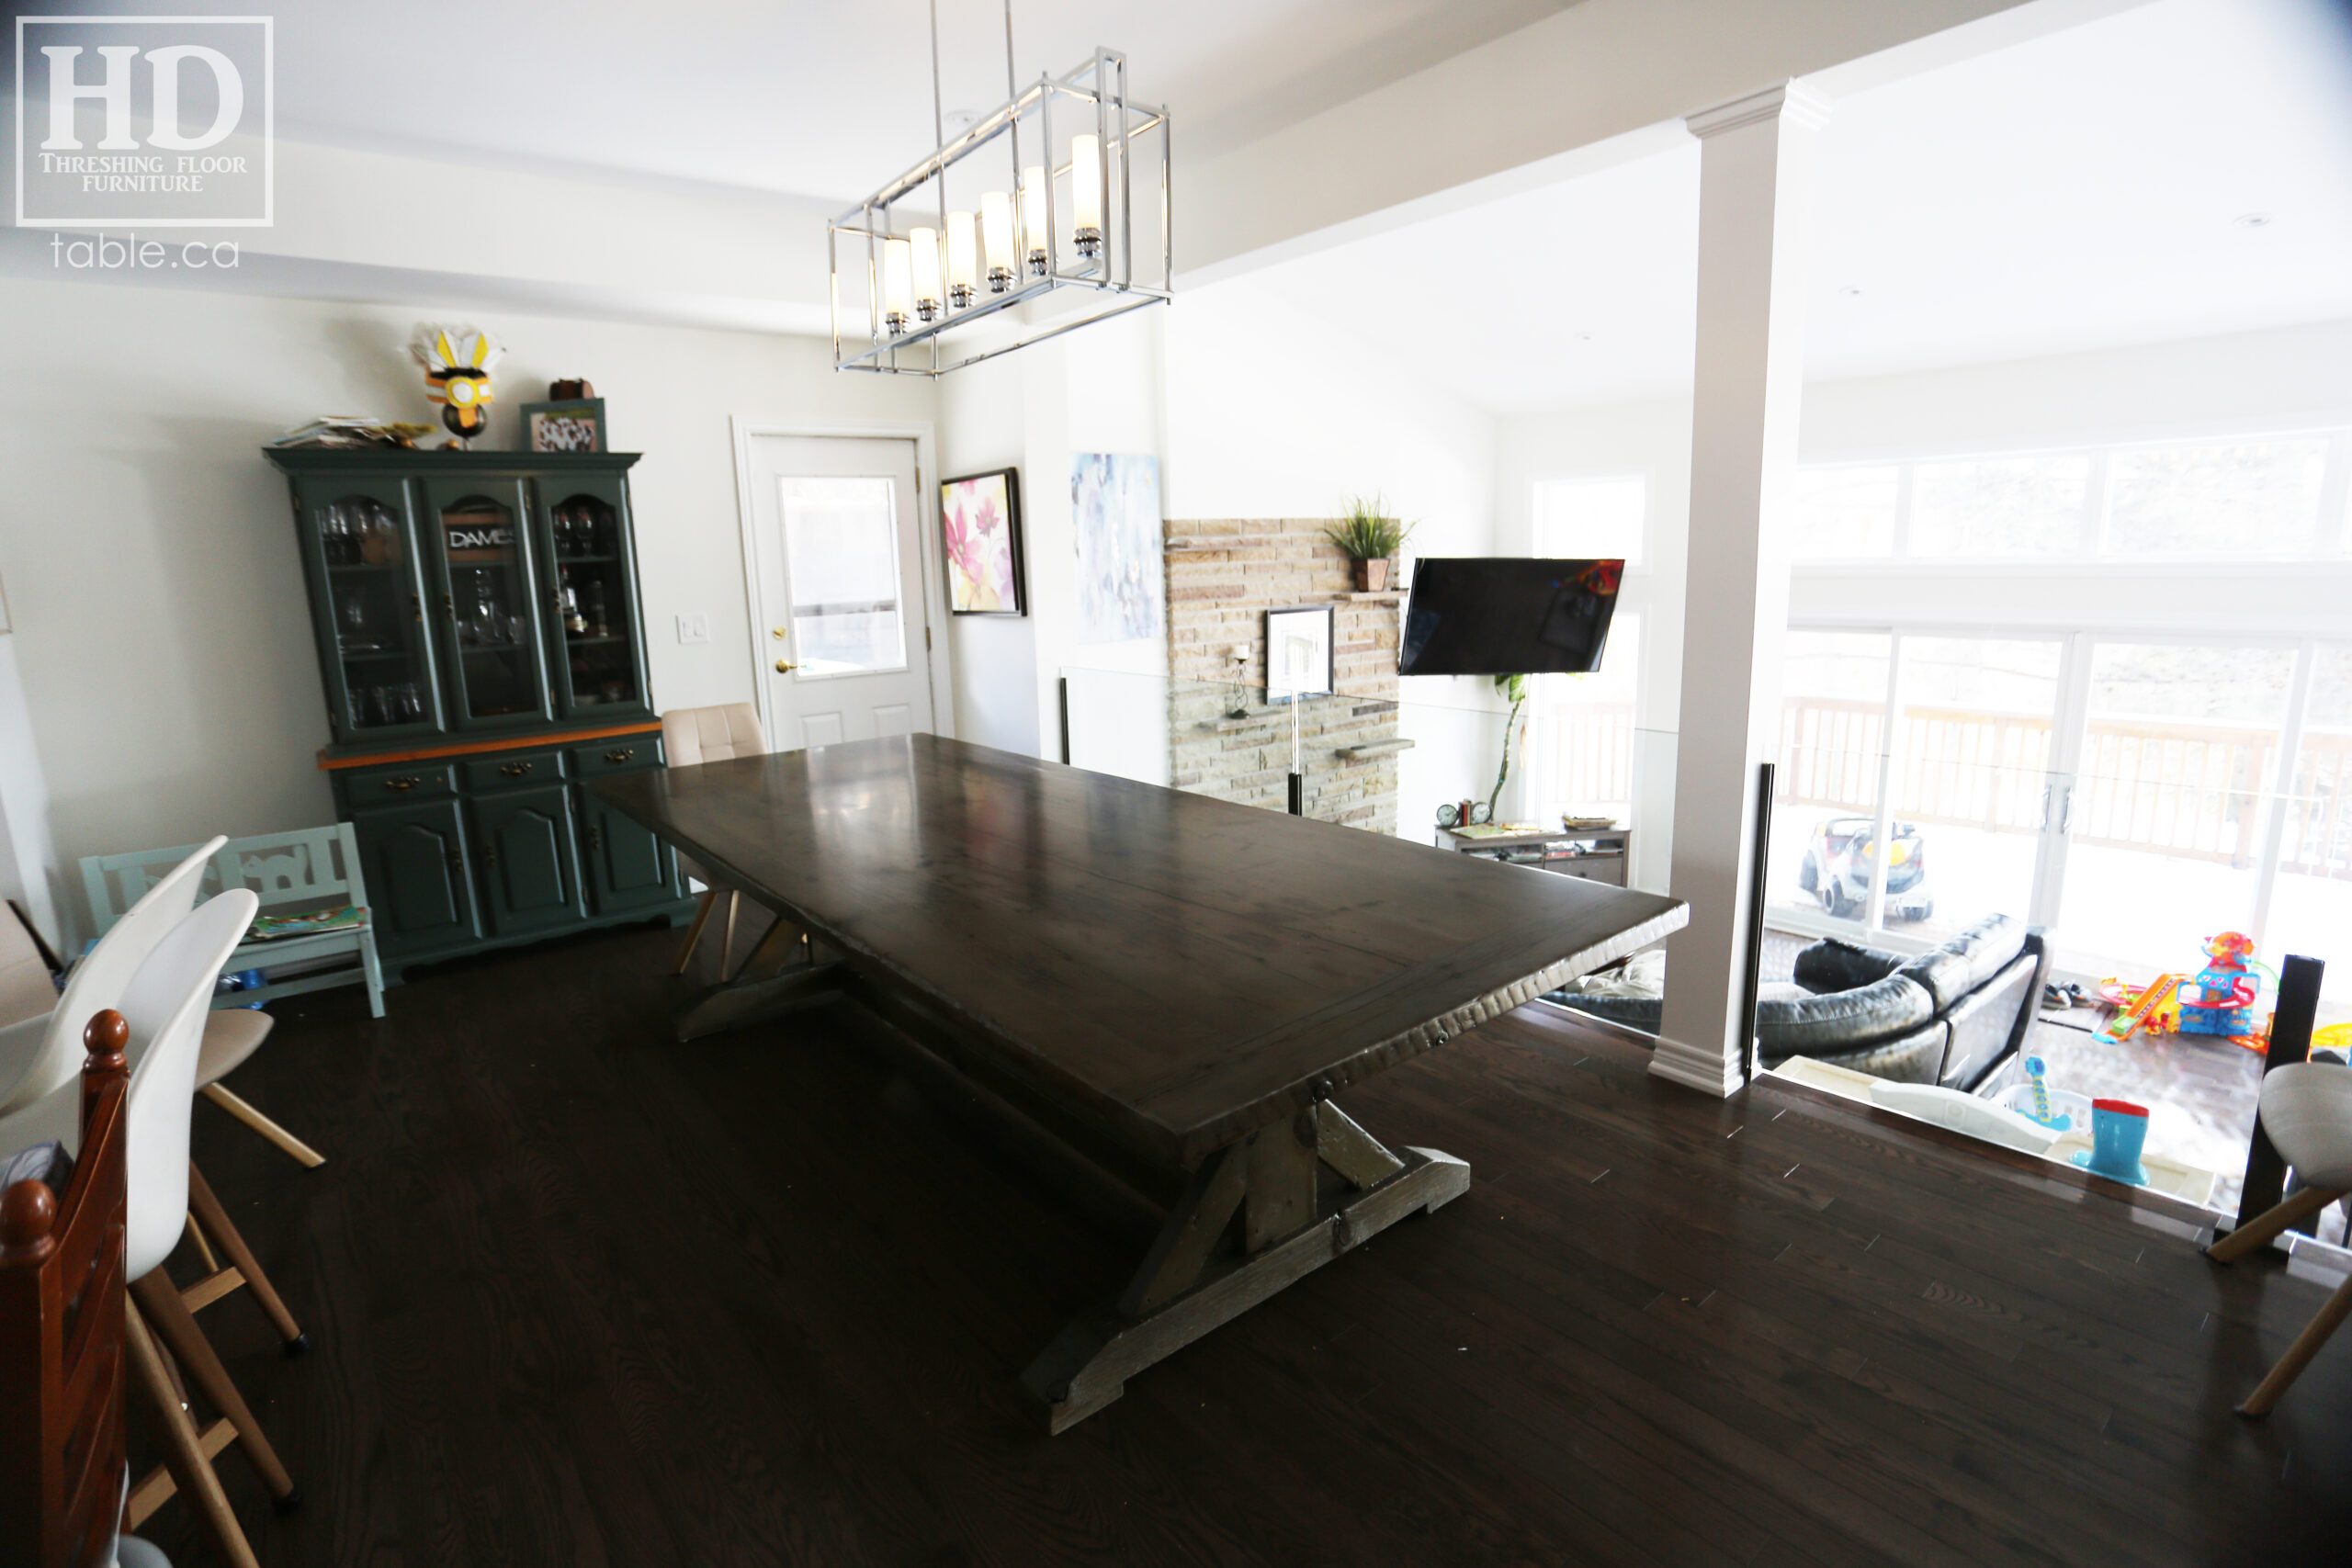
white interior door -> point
(837, 574)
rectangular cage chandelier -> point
(1040, 196)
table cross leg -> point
(1259, 1199)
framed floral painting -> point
(979, 524)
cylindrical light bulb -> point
(996, 239)
(963, 259)
(898, 284)
(1033, 218)
(930, 298)
(1086, 193)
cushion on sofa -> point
(1834, 965)
(1990, 946)
(1915, 1057)
(1943, 974)
(1795, 1023)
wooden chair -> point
(2307, 1110)
(162, 1018)
(693, 736)
(309, 869)
(61, 1335)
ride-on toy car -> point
(1841, 859)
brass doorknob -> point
(785, 667)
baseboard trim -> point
(1705, 1069)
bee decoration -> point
(458, 362)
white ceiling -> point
(826, 98)
(2081, 190)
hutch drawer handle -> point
(404, 784)
(620, 754)
(516, 769)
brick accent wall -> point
(1223, 576)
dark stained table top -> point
(1176, 969)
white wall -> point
(159, 609)
(29, 871)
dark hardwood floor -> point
(584, 1297)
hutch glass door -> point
(490, 607)
(372, 623)
(595, 640)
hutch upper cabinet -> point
(482, 650)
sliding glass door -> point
(2132, 797)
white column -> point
(1755, 231)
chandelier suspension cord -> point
(1012, 90)
(938, 114)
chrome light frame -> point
(1097, 87)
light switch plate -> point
(694, 627)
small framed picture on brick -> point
(1299, 653)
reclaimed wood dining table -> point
(1178, 987)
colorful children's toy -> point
(2152, 1007)
(2057, 1121)
(2119, 1130)
(2219, 1000)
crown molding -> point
(1790, 100)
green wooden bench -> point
(312, 869)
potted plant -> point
(1369, 539)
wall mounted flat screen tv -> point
(1508, 615)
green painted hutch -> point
(480, 639)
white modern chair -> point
(164, 1007)
(39, 1054)
(2307, 1110)
(693, 736)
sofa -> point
(1949, 1016)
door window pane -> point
(840, 553)
(1972, 761)
(1576, 519)
(1833, 743)
(2167, 814)
(1840, 513)
(2247, 498)
(2311, 907)
(1988, 507)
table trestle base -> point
(1260, 1196)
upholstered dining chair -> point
(2307, 1110)
(162, 1012)
(39, 1054)
(692, 736)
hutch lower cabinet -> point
(479, 640)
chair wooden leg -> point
(727, 940)
(2259, 1230)
(221, 1096)
(203, 1248)
(694, 932)
(184, 1453)
(2315, 1333)
(216, 1224)
(159, 1302)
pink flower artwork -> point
(981, 533)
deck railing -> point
(2191, 790)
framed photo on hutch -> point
(979, 528)
(575, 425)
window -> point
(1839, 512)
(2251, 498)
(840, 548)
(1600, 518)
(2000, 506)
(2311, 908)
(2205, 500)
